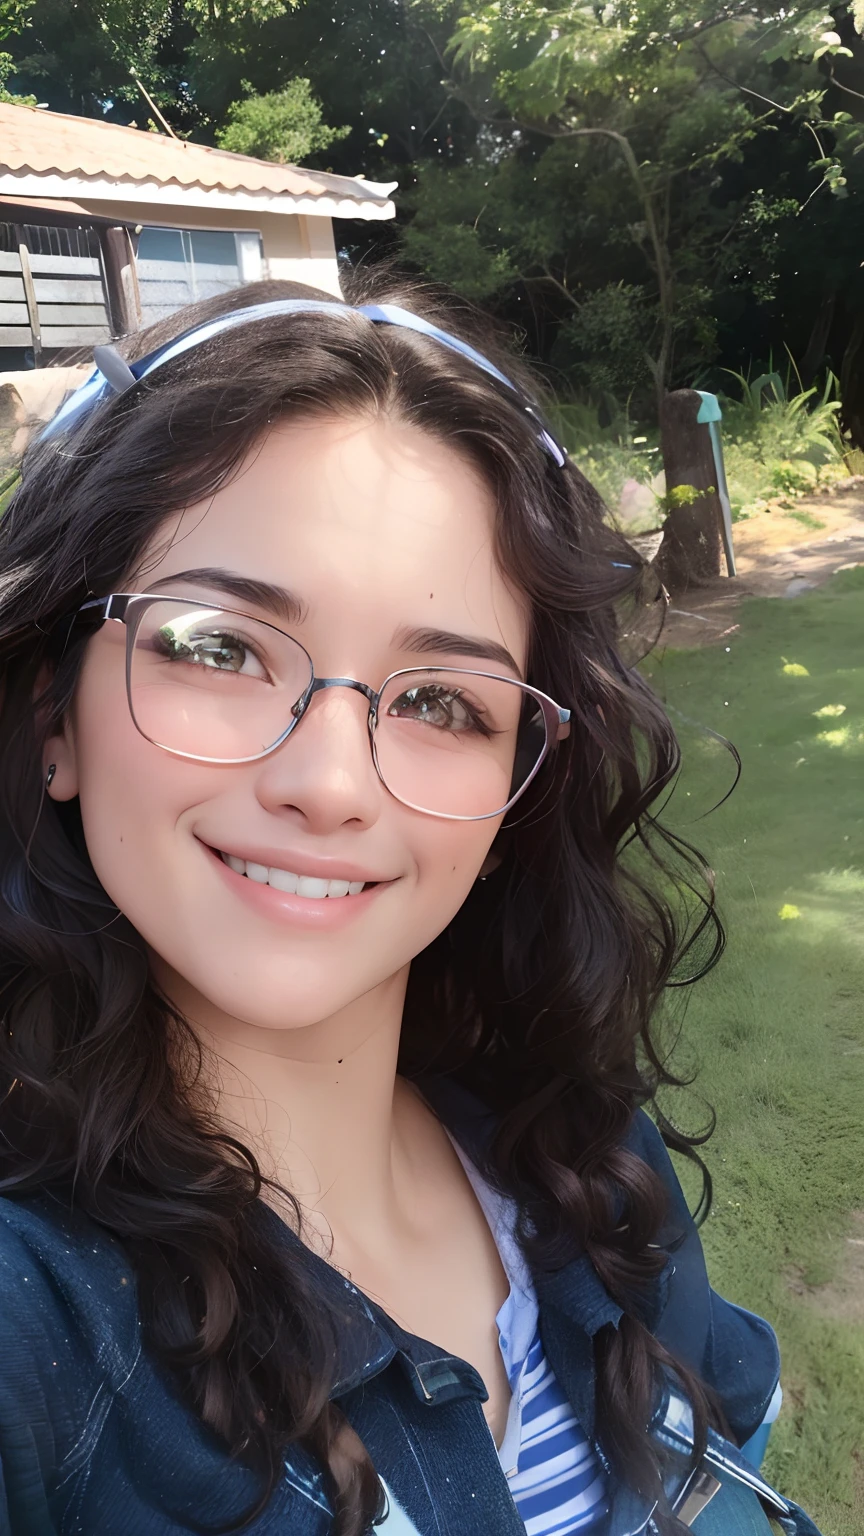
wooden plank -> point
(121, 287)
(10, 261)
(65, 266)
(15, 336)
(72, 314)
(73, 290)
(12, 288)
(74, 335)
(14, 314)
(30, 295)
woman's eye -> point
(220, 652)
(445, 708)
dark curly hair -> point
(540, 994)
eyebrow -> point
(445, 642)
(261, 594)
(288, 607)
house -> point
(104, 229)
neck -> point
(320, 1106)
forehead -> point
(369, 522)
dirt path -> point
(776, 556)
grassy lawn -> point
(777, 1030)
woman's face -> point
(380, 533)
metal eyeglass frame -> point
(126, 608)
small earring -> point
(50, 775)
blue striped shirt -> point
(556, 1480)
(558, 1484)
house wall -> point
(297, 247)
(312, 259)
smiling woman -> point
(328, 988)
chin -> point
(286, 1001)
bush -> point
(777, 443)
(794, 477)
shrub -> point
(794, 477)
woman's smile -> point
(317, 901)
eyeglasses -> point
(218, 686)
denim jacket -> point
(95, 1439)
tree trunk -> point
(691, 550)
(814, 356)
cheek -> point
(130, 793)
(449, 857)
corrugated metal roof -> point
(40, 142)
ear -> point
(491, 862)
(59, 751)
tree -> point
(14, 17)
(634, 112)
(7, 68)
(284, 125)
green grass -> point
(777, 1030)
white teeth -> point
(284, 880)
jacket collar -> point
(576, 1289)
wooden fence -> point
(51, 301)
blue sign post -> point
(711, 415)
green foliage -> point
(286, 126)
(776, 442)
(794, 476)
(680, 496)
(7, 68)
(623, 120)
(605, 344)
(445, 239)
(14, 17)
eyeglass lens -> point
(210, 683)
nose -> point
(323, 775)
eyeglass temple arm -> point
(563, 724)
(112, 607)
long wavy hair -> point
(540, 994)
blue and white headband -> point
(114, 375)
